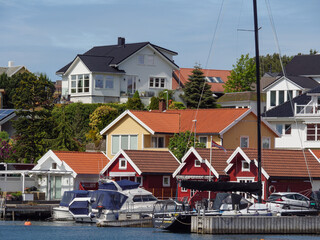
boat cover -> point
(126, 184)
(108, 199)
(107, 186)
(230, 198)
(252, 187)
(79, 208)
(68, 196)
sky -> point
(45, 35)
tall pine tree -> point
(198, 90)
(33, 100)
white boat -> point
(62, 212)
(112, 199)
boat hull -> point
(61, 214)
(176, 223)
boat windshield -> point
(144, 198)
(68, 196)
(169, 206)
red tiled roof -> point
(316, 152)
(184, 74)
(174, 121)
(218, 158)
(83, 162)
(153, 161)
(287, 163)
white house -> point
(112, 73)
(298, 121)
(60, 171)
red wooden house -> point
(282, 170)
(198, 165)
(153, 169)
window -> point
(245, 166)
(109, 82)
(131, 84)
(166, 181)
(122, 163)
(203, 140)
(157, 142)
(197, 163)
(139, 180)
(279, 128)
(80, 83)
(54, 166)
(289, 95)
(73, 83)
(192, 192)
(184, 189)
(313, 132)
(266, 142)
(281, 97)
(244, 142)
(272, 98)
(124, 142)
(144, 59)
(157, 82)
(98, 81)
(287, 129)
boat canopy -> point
(108, 199)
(230, 198)
(253, 187)
(68, 196)
(126, 184)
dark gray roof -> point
(304, 65)
(103, 58)
(286, 109)
(303, 82)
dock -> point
(23, 210)
(255, 225)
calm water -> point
(67, 231)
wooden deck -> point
(256, 225)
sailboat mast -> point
(256, 37)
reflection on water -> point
(69, 230)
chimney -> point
(121, 41)
(162, 105)
(10, 64)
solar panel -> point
(5, 112)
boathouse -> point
(152, 169)
(60, 171)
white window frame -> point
(197, 161)
(157, 137)
(120, 139)
(108, 78)
(244, 137)
(163, 181)
(269, 142)
(246, 180)
(160, 80)
(192, 192)
(141, 182)
(54, 165)
(146, 59)
(243, 169)
(80, 81)
(125, 163)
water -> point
(68, 231)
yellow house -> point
(152, 130)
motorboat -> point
(62, 212)
(111, 199)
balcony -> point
(309, 110)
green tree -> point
(181, 142)
(271, 63)
(99, 119)
(65, 139)
(242, 76)
(33, 100)
(197, 89)
(9, 84)
(154, 103)
(135, 103)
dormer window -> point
(122, 163)
(197, 163)
(245, 166)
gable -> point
(116, 168)
(77, 67)
(127, 125)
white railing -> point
(307, 110)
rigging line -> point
(206, 65)
(288, 95)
